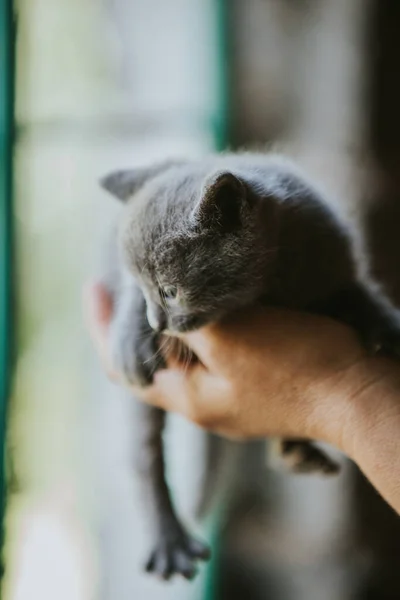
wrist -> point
(371, 435)
(350, 405)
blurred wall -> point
(319, 80)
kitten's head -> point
(198, 243)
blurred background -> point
(104, 84)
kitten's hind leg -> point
(175, 551)
(301, 456)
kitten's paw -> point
(137, 358)
(304, 457)
(177, 555)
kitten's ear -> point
(122, 184)
(125, 183)
(222, 204)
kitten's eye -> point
(169, 292)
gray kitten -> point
(200, 239)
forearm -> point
(367, 423)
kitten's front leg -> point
(134, 344)
(175, 551)
(137, 355)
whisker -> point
(159, 350)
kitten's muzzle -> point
(160, 323)
(156, 318)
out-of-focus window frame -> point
(7, 38)
(220, 129)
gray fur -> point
(226, 232)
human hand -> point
(276, 372)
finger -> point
(202, 343)
(191, 395)
(184, 390)
(171, 390)
(98, 310)
(197, 394)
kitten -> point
(200, 239)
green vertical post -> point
(221, 125)
(6, 144)
(221, 136)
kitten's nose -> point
(156, 318)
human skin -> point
(269, 372)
